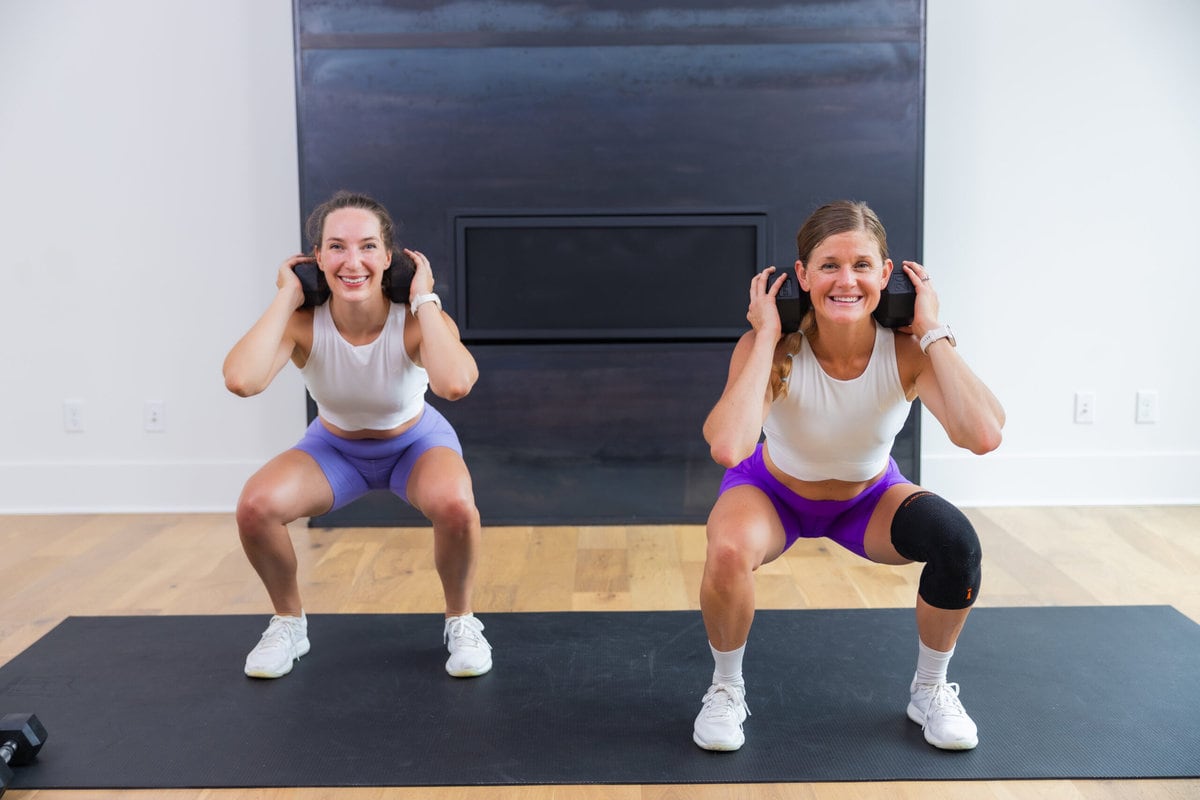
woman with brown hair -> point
(367, 362)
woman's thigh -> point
(439, 479)
(745, 519)
(878, 539)
(289, 486)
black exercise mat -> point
(577, 698)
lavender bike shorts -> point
(353, 467)
(843, 521)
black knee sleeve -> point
(929, 529)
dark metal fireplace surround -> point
(595, 184)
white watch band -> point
(422, 299)
(931, 336)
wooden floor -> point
(55, 566)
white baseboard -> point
(966, 481)
(123, 487)
(1096, 479)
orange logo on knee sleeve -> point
(968, 592)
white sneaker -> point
(936, 707)
(470, 653)
(282, 643)
(719, 724)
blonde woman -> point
(829, 402)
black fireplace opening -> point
(592, 277)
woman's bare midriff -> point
(817, 490)
(368, 433)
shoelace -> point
(944, 697)
(280, 633)
(463, 633)
(721, 700)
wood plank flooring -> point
(54, 566)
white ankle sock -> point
(728, 669)
(931, 664)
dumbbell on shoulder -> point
(21, 737)
(897, 301)
(397, 280)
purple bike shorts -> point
(354, 467)
(842, 521)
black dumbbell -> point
(397, 280)
(21, 737)
(897, 302)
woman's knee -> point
(289, 486)
(929, 529)
(440, 487)
(452, 508)
(730, 556)
(256, 515)
(744, 532)
(258, 509)
(270, 499)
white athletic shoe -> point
(719, 723)
(282, 643)
(937, 709)
(470, 653)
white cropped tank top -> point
(373, 386)
(826, 428)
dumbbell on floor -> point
(21, 737)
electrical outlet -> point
(73, 416)
(1147, 406)
(1085, 408)
(155, 416)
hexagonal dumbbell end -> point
(21, 737)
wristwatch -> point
(931, 336)
(422, 299)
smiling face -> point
(353, 254)
(844, 276)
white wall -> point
(1062, 207)
(148, 188)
